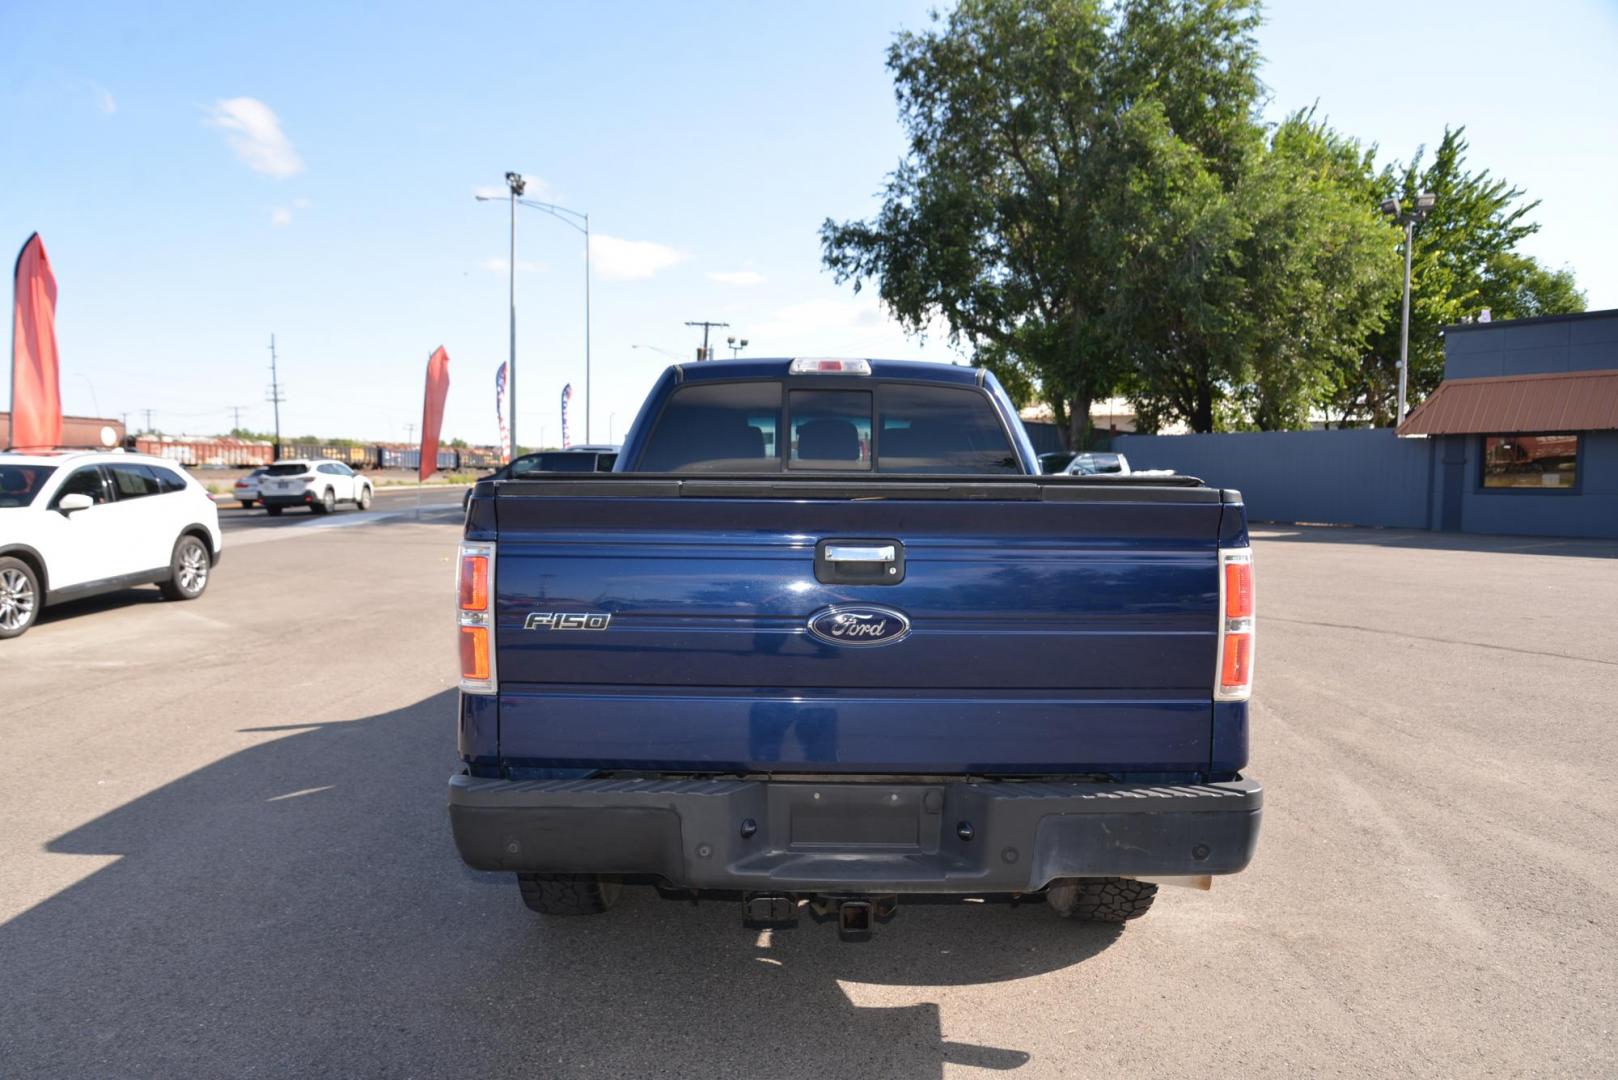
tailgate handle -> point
(860, 560)
(868, 553)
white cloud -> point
(735, 277)
(616, 259)
(280, 217)
(104, 99)
(301, 204)
(254, 131)
(845, 326)
(524, 266)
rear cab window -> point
(885, 427)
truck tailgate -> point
(1069, 630)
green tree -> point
(1068, 184)
(1463, 260)
(1317, 270)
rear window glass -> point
(831, 429)
(724, 427)
(560, 462)
(287, 469)
(941, 429)
(20, 483)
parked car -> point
(76, 524)
(1055, 462)
(1093, 464)
(319, 485)
(574, 459)
(246, 489)
(826, 638)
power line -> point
(236, 416)
(706, 353)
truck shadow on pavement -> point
(298, 908)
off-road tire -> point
(1108, 900)
(23, 597)
(190, 566)
(568, 894)
(364, 501)
(327, 503)
(273, 511)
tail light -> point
(474, 601)
(1233, 678)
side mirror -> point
(76, 501)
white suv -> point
(319, 485)
(76, 524)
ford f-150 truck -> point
(826, 638)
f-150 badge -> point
(569, 620)
(859, 625)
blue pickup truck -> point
(826, 639)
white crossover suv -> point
(76, 524)
(319, 485)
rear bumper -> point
(303, 498)
(964, 837)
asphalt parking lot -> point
(223, 851)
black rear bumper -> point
(799, 835)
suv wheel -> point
(188, 569)
(568, 894)
(364, 501)
(19, 597)
(1107, 899)
(273, 511)
(327, 503)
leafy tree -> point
(1067, 186)
(1317, 270)
(1463, 260)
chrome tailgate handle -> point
(867, 553)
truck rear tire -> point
(1109, 900)
(568, 894)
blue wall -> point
(1358, 476)
(1591, 509)
(1585, 342)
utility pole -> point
(706, 353)
(275, 397)
(148, 413)
(236, 416)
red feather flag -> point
(36, 390)
(432, 411)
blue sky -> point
(206, 174)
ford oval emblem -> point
(860, 625)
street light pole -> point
(1404, 326)
(587, 329)
(516, 184)
(1408, 218)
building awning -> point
(1515, 404)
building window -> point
(1531, 462)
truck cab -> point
(825, 638)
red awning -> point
(1510, 404)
